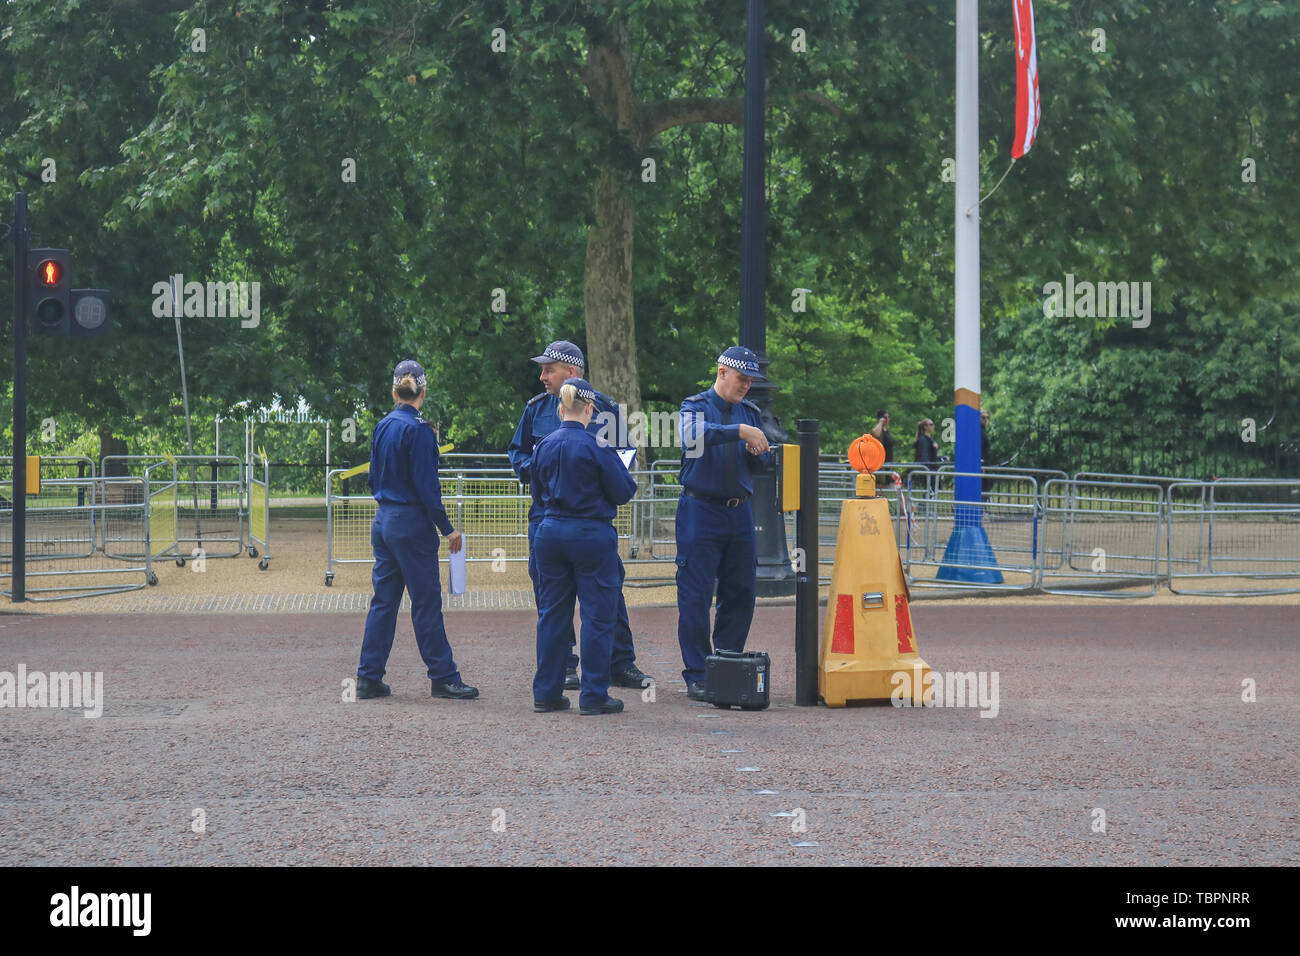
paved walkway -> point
(305, 602)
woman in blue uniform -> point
(578, 485)
(404, 480)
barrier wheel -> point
(252, 551)
(151, 578)
(263, 564)
(751, 707)
(329, 578)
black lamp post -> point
(775, 576)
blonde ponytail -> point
(569, 397)
(408, 389)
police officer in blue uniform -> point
(404, 480)
(577, 486)
(560, 361)
(722, 445)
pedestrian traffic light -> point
(90, 313)
(48, 294)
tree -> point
(500, 197)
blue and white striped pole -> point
(969, 543)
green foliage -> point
(474, 172)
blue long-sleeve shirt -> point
(574, 477)
(706, 443)
(404, 465)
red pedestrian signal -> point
(49, 273)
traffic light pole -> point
(19, 580)
(775, 577)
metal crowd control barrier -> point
(259, 512)
(153, 537)
(211, 497)
(58, 466)
(998, 482)
(1040, 475)
(1098, 537)
(835, 482)
(162, 514)
(487, 505)
(659, 511)
(628, 520)
(1233, 532)
(477, 498)
(1080, 536)
(490, 508)
(935, 513)
(66, 524)
(117, 537)
(347, 527)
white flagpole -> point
(967, 556)
(966, 327)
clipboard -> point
(456, 571)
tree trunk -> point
(607, 292)
(111, 445)
(607, 277)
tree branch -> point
(452, 22)
(812, 96)
(658, 117)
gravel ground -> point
(1135, 709)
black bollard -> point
(808, 575)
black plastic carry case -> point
(738, 679)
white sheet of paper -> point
(628, 456)
(456, 572)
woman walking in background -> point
(927, 449)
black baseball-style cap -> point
(743, 360)
(409, 367)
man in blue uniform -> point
(561, 361)
(404, 481)
(722, 446)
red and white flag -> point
(1026, 78)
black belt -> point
(720, 502)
